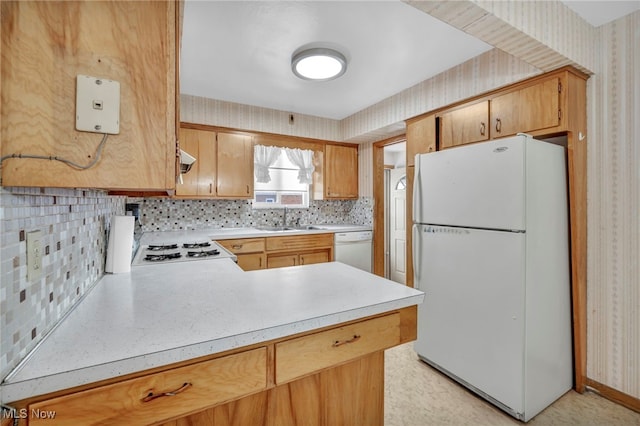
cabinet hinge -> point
(559, 87)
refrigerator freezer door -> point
(479, 185)
(471, 322)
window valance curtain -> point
(302, 158)
(263, 158)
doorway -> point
(390, 209)
(395, 224)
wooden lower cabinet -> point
(296, 250)
(294, 259)
(333, 377)
(248, 251)
(278, 252)
(350, 394)
(330, 376)
(147, 400)
(251, 262)
(321, 256)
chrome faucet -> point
(284, 218)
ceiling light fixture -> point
(319, 64)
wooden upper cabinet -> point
(235, 166)
(421, 137)
(465, 125)
(504, 115)
(540, 105)
(200, 180)
(45, 46)
(341, 171)
(527, 110)
(223, 166)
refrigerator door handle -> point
(416, 255)
(417, 191)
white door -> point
(397, 226)
(471, 322)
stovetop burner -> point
(168, 252)
(196, 245)
(203, 253)
(162, 247)
(161, 257)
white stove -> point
(153, 254)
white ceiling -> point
(598, 13)
(240, 51)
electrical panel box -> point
(97, 105)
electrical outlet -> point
(34, 255)
(97, 105)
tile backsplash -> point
(73, 225)
(161, 214)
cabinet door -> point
(465, 125)
(200, 180)
(251, 262)
(539, 106)
(421, 137)
(504, 115)
(341, 171)
(526, 110)
(281, 260)
(314, 257)
(235, 166)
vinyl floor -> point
(418, 395)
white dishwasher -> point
(354, 248)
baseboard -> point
(614, 395)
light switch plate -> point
(34, 255)
(97, 105)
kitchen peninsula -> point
(209, 341)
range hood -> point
(186, 161)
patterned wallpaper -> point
(194, 109)
(613, 290)
(73, 224)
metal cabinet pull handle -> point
(236, 246)
(247, 189)
(337, 343)
(482, 128)
(151, 396)
(498, 125)
(211, 188)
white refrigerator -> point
(491, 253)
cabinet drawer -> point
(304, 355)
(243, 245)
(211, 382)
(299, 242)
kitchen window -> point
(283, 189)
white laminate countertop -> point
(163, 314)
(197, 235)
